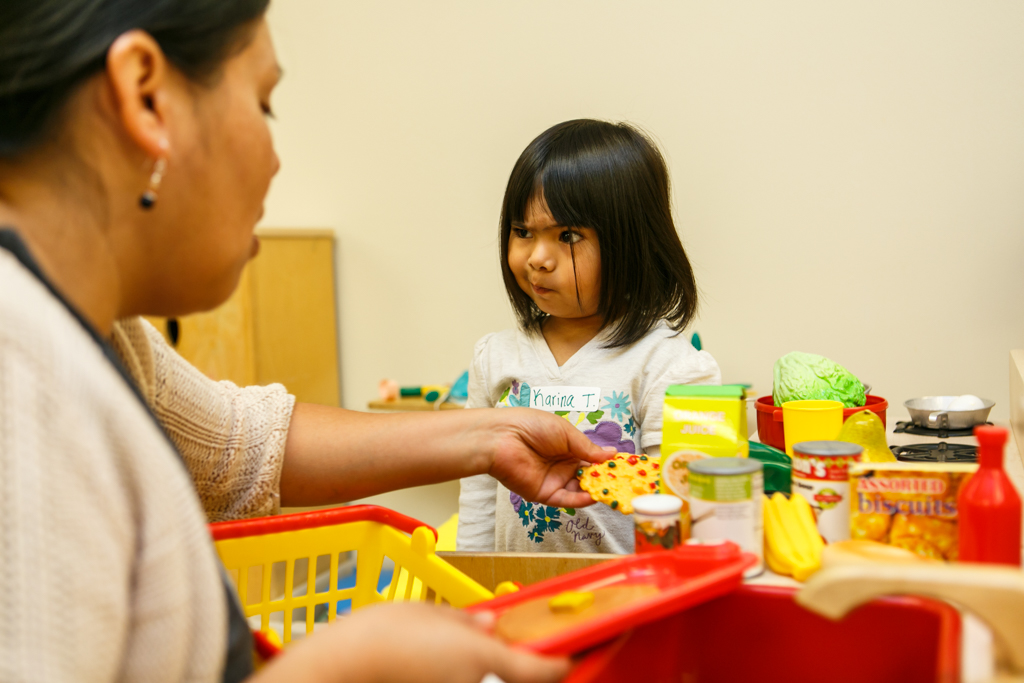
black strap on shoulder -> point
(239, 661)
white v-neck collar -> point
(547, 359)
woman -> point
(134, 160)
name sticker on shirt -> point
(565, 398)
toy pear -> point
(866, 430)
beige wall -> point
(848, 177)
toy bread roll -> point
(857, 551)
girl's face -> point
(540, 258)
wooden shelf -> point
(295, 233)
(280, 324)
(406, 404)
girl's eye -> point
(570, 237)
(267, 111)
(521, 233)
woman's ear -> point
(138, 73)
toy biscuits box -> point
(907, 505)
(700, 422)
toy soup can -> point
(725, 504)
(662, 522)
(821, 474)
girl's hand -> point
(411, 643)
(537, 454)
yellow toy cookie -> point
(619, 480)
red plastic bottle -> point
(990, 511)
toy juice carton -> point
(700, 422)
(908, 505)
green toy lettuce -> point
(806, 376)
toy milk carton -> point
(700, 422)
(908, 505)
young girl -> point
(602, 290)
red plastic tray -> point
(687, 576)
(758, 633)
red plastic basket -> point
(770, 429)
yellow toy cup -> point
(811, 421)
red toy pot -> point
(770, 428)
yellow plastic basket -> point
(275, 562)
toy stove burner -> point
(936, 452)
(917, 430)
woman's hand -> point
(334, 455)
(411, 643)
(536, 454)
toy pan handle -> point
(262, 526)
(993, 592)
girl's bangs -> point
(577, 193)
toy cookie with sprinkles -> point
(618, 481)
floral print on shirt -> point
(538, 519)
(617, 405)
(612, 425)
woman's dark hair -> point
(609, 177)
(49, 47)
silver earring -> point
(148, 198)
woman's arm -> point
(231, 438)
(408, 643)
(334, 455)
(235, 441)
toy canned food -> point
(821, 474)
(700, 422)
(908, 505)
(725, 504)
(661, 522)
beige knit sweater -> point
(107, 572)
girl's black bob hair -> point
(49, 47)
(609, 177)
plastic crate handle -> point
(259, 526)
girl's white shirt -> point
(614, 395)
